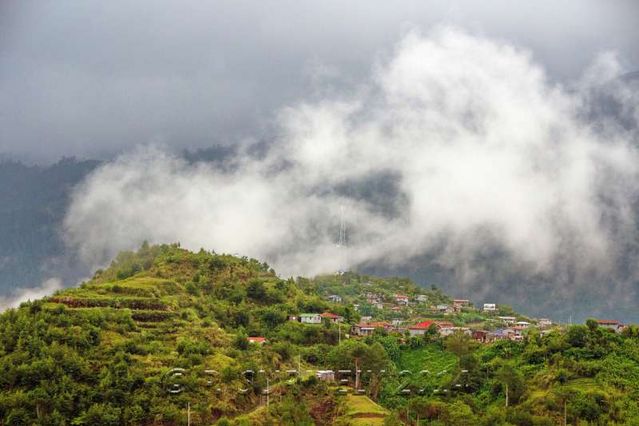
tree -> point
(100, 414)
(431, 334)
(241, 341)
(459, 414)
(256, 290)
(513, 383)
(460, 344)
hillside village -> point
(421, 311)
(164, 335)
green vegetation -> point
(164, 331)
(361, 410)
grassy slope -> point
(361, 410)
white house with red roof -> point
(611, 324)
(420, 328)
(401, 299)
(334, 318)
(258, 340)
(367, 329)
(458, 304)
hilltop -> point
(164, 333)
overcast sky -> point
(94, 78)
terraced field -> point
(360, 410)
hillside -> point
(164, 334)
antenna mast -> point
(341, 242)
(342, 229)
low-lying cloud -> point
(31, 293)
(455, 143)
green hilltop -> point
(164, 336)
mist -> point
(21, 295)
(456, 144)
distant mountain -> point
(33, 202)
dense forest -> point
(165, 336)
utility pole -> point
(342, 241)
(339, 332)
(506, 394)
(188, 414)
(268, 394)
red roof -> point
(257, 339)
(422, 325)
(330, 315)
(609, 322)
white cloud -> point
(32, 293)
(483, 149)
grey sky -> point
(92, 78)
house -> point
(508, 320)
(420, 329)
(373, 298)
(366, 318)
(519, 329)
(400, 299)
(444, 309)
(397, 322)
(501, 334)
(366, 329)
(523, 324)
(325, 375)
(480, 336)
(335, 298)
(447, 331)
(610, 324)
(544, 323)
(458, 304)
(257, 340)
(293, 318)
(310, 319)
(422, 298)
(334, 318)
(489, 307)
(362, 329)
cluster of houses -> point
(400, 301)
(514, 330)
(509, 327)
